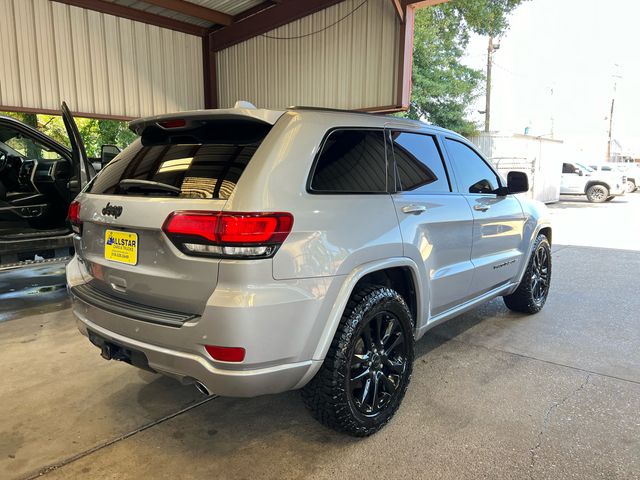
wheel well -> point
(596, 182)
(398, 278)
(546, 231)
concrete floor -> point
(494, 394)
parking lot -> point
(493, 395)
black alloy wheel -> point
(378, 363)
(540, 274)
(533, 290)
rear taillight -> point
(74, 217)
(228, 234)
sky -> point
(555, 73)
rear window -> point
(351, 161)
(419, 166)
(200, 170)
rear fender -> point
(344, 286)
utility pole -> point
(613, 101)
(487, 109)
(615, 76)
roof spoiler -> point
(194, 119)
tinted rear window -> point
(199, 170)
(351, 161)
(419, 165)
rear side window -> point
(419, 167)
(351, 161)
(199, 170)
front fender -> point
(537, 217)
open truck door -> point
(39, 178)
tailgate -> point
(193, 162)
(161, 275)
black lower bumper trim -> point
(113, 304)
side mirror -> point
(517, 182)
(108, 153)
(578, 171)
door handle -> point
(414, 209)
(481, 208)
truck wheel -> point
(368, 367)
(631, 186)
(597, 193)
(532, 293)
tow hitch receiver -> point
(112, 351)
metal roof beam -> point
(254, 10)
(283, 12)
(397, 4)
(194, 10)
(423, 3)
(137, 15)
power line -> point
(275, 37)
(530, 78)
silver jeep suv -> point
(251, 251)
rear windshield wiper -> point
(147, 186)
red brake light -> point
(199, 224)
(175, 123)
(254, 228)
(73, 216)
(225, 354)
(228, 234)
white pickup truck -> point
(598, 185)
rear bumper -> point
(276, 327)
(189, 367)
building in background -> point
(540, 158)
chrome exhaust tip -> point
(202, 389)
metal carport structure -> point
(123, 59)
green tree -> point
(95, 133)
(443, 87)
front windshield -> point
(584, 167)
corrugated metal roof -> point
(230, 7)
(350, 64)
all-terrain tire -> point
(526, 298)
(328, 395)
